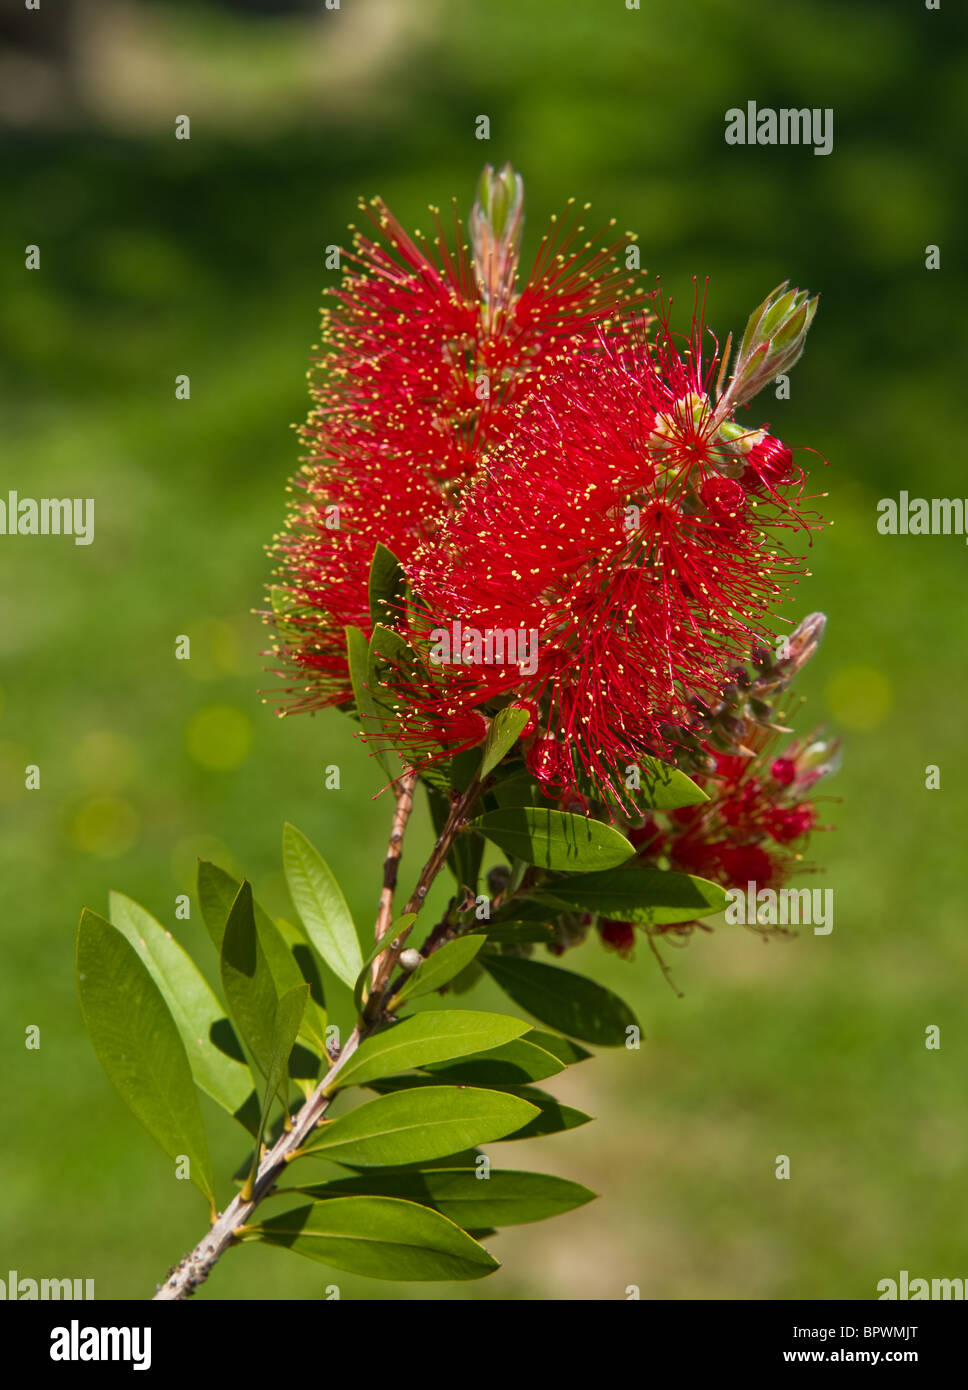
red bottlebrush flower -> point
(610, 526)
(742, 864)
(426, 352)
(739, 835)
(788, 824)
(617, 936)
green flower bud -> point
(496, 223)
(775, 335)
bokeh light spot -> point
(219, 737)
(105, 826)
(859, 698)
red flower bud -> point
(617, 936)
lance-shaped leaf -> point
(287, 954)
(247, 981)
(382, 1237)
(516, 790)
(554, 839)
(390, 662)
(515, 1064)
(553, 1116)
(571, 1003)
(503, 734)
(503, 1198)
(321, 906)
(663, 787)
(285, 1026)
(214, 1054)
(438, 969)
(358, 660)
(414, 1125)
(138, 1044)
(434, 1036)
(635, 893)
(564, 1049)
(387, 586)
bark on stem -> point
(386, 961)
(404, 794)
(194, 1268)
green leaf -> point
(516, 790)
(214, 1053)
(664, 787)
(382, 1237)
(138, 1044)
(387, 585)
(247, 981)
(389, 659)
(217, 891)
(287, 954)
(390, 935)
(438, 969)
(467, 1158)
(321, 906)
(504, 1198)
(514, 1064)
(434, 1036)
(655, 897)
(553, 1117)
(564, 1049)
(358, 660)
(503, 734)
(554, 839)
(414, 1125)
(285, 1026)
(571, 1003)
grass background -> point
(161, 257)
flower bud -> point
(496, 223)
(799, 647)
(775, 335)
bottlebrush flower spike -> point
(425, 354)
(614, 525)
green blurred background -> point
(161, 257)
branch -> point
(404, 794)
(385, 962)
(195, 1267)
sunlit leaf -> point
(214, 1054)
(424, 1122)
(138, 1044)
(321, 906)
(382, 1237)
(554, 839)
(434, 1036)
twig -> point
(195, 1267)
(386, 961)
(404, 794)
